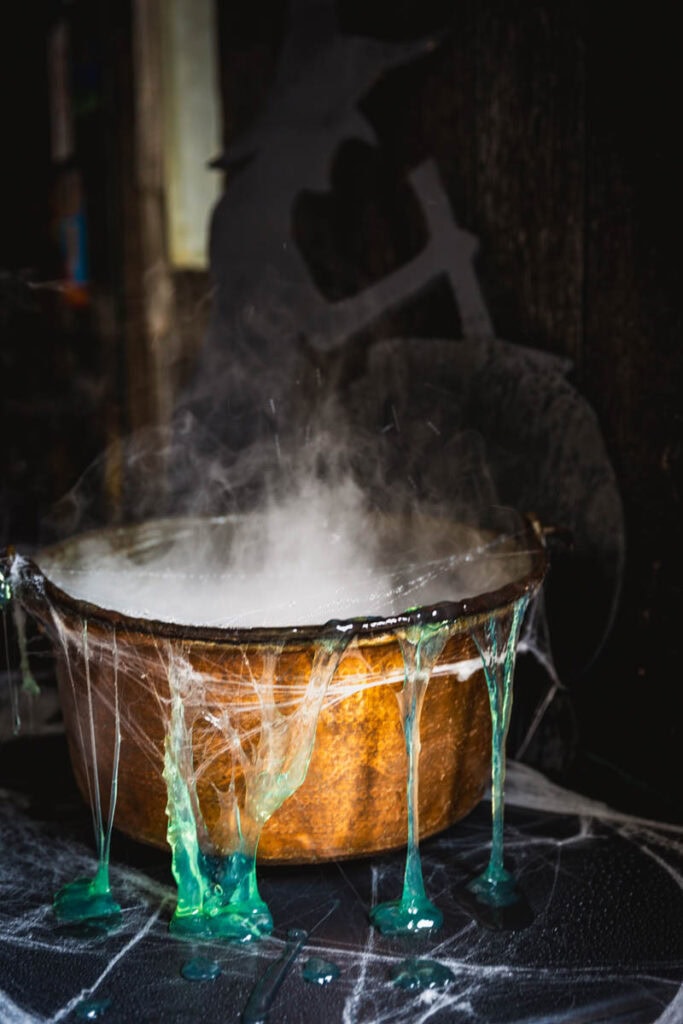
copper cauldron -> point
(352, 801)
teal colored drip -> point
(320, 972)
(229, 905)
(497, 650)
(413, 912)
(92, 1009)
(496, 891)
(420, 974)
(88, 899)
(409, 915)
(218, 894)
(200, 969)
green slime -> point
(497, 646)
(89, 899)
(420, 974)
(92, 1009)
(421, 645)
(320, 972)
(218, 894)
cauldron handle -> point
(551, 535)
(21, 579)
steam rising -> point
(318, 555)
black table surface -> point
(605, 942)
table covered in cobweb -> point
(605, 942)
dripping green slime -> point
(218, 893)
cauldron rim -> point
(38, 592)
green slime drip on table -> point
(92, 1009)
(90, 899)
(200, 969)
(420, 974)
(497, 646)
(218, 894)
(320, 972)
(421, 645)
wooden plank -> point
(530, 152)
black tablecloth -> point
(605, 942)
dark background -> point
(555, 129)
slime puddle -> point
(92, 1009)
(421, 645)
(200, 969)
(88, 902)
(415, 975)
(320, 972)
